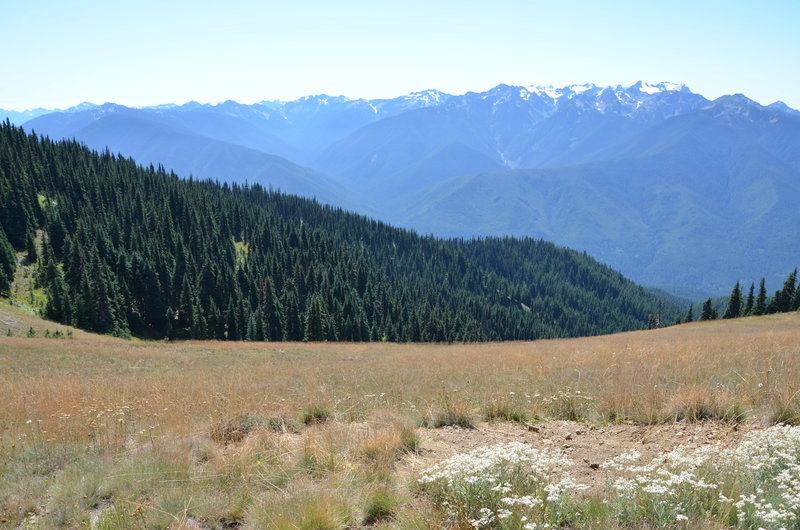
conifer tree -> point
(8, 263)
(784, 299)
(31, 255)
(233, 324)
(748, 308)
(292, 325)
(709, 312)
(59, 303)
(734, 308)
(315, 318)
(271, 310)
(760, 306)
(689, 314)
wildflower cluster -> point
(753, 485)
(766, 468)
(665, 490)
(509, 485)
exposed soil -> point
(587, 445)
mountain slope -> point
(714, 189)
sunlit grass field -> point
(108, 433)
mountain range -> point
(671, 188)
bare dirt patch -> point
(587, 445)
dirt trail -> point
(587, 445)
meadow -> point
(108, 433)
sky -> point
(56, 54)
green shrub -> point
(315, 414)
(235, 428)
(380, 506)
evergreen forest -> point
(130, 250)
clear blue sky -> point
(57, 53)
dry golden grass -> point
(181, 387)
(134, 404)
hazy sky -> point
(57, 53)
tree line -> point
(131, 250)
(785, 299)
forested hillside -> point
(133, 250)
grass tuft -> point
(504, 409)
(234, 429)
(380, 506)
(694, 404)
(315, 414)
(450, 412)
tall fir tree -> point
(784, 299)
(315, 318)
(31, 254)
(760, 305)
(748, 308)
(292, 324)
(8, 263)
(709, 312)
(734, 309)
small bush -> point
(786, 414)
(384, 446)
(234, 429)
(308, 510)
(380, 506)
(505, 410)
(281, 424)
(450, 413)
(409, 440)
(315, 414)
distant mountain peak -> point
(324, 99)
(426, 97)
(86, 105)
(783, 107)
(554, 92)
(734, 102)
(616, 98)
(664, 86)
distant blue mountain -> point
(702, 199)
(20, 117)
(151, 137)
